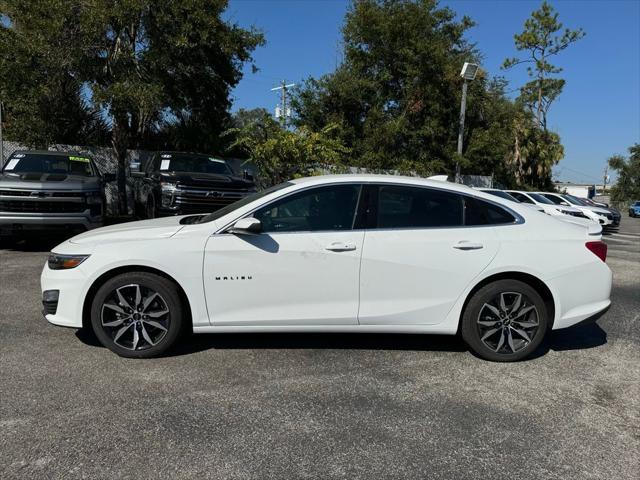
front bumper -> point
(71, 285)
(43, 221)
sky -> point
(597, 115)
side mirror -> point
(246, 226)
(109, 177)
(247, 175)
(566, 204)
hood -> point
(48, 181)
(599, 210)
(125, 232)
(207, 180)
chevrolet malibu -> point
(345, 253)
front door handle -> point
(465, 245)
(341, 246)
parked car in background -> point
(507, 196)
(43, 190)
(345, 253)
(597, 214)
(634, 209)
(614, 211)
(176, 183)
(548, 206)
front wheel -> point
(137, 315)
(505, 321)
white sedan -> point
(352, 253)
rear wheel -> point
(505, 321)
(137, 314)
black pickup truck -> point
(179, 183)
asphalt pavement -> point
(286, 406)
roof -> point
(374, 178)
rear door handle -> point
(464, 245)
(341, 246)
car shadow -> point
(575, 338)
(33, 242)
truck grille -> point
(41, 206)
(204, 200)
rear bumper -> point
(581, 293)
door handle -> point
(341, 246)
(465, 245)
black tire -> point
(155, 333)
(150, 207)
(514, 341)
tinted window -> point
(501, 194)
(181, 162)
(405, 207)
(479, 212)
(554, 199)
(521, 197)
(323, 208)
(541, 199)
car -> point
(597, 214)
(634, 209)
(614, 211)
(177, 183)
(507, 196)
(344, 253)
(549, 207)
(49, 191)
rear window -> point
(478, 212)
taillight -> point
(599, 249)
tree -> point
(147, 66)
(176, 62)
(280, 154)
(627, 187)
(396, 96)
(541, 41)
(43, 95)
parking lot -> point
(318, 405)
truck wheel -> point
(150, 207)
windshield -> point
(173, 162)
(575, 201)
(540, 199)
(47, 163)
(501, 194)
(241, 203)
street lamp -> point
(469, 71)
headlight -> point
(168, 191)
(64, 262)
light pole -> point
(468, 72)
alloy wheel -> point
(508, 322)
(135, 317)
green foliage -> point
(280, 154)
(395, 98)
(149, 67)
(42, 92)
(540, 39)
(627, 188)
